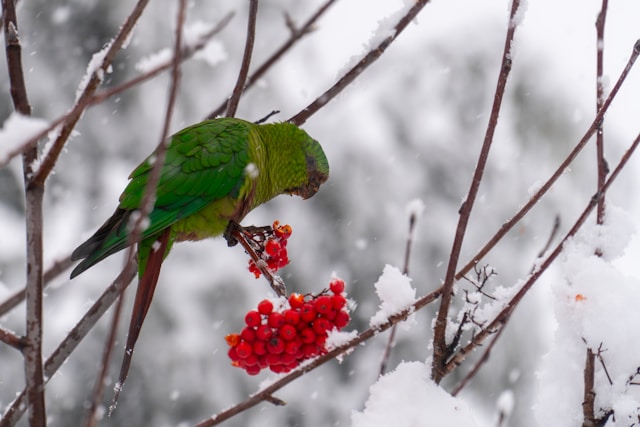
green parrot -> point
(214, 173)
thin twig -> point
(246, 59)
(51, 273)
(262, 69)
(501, 318)
(405, 271)
(267, 393)
(440, 353)
(509, 224)
(374, 54)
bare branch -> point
(440, 353)
(508, 225)
(11, 339)
(246, 59)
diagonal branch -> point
(502, 317)
(373, 55)
(84, 99)
(440, 352)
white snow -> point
(395, 293)
(595, 307)
(16, 131)
(155, 60)
(94, 66)
(408, 397)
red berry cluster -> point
(273, 249)
(279, 339)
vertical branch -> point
(246, 59)
(440, 351)
(588, 403)
(295, 36)
(33, 211)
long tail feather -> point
(144, 295)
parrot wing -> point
(204, 163)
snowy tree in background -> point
(455, 121)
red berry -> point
(307, 313)
(323, 304)
(265, 306)
(272, 359)
(272, 247)
(260, 348)
(338, 301)
(264, 332)
(243, 350)
(287, 358)
(307, 335)
(252, 318)
(233, 354)
(292, 347)
(337, 286)
(309, 350)
(291, 317)
(276, 319)
(288, 332)
(296, 300)
(278, 369)
(248, 334)
(321, 326)
(275, 345)
(341, 320)
(321, 340)
(252, 370)
(251, 360)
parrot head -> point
(317, 168)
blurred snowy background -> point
(410, 127)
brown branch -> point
(476, 368)
(246, 59)
(95, 80)
(32, 350)
(588, 404)
(73, 338)
(11, 339)
(440, 352)
(373, 55)
(502, 317)
(257, 74)
(266, 394)
(508, 225)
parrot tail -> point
(109, 239)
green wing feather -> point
(204, 163)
